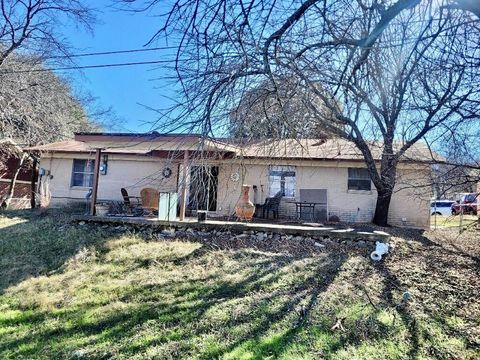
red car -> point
(467, 204)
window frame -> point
(349, 178)
(72, 177)
(284, 171)
(441, 204)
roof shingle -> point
(331, 149)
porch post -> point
(478, 200)
(33, 182)
(186, 170)
(96, 173)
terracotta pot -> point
(245, 208)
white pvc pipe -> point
(380, 250)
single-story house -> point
(331, 171)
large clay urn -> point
(245, 208)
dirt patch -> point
(441, 269)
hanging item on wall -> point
(104, 165)
(235, 176)
(167, 172)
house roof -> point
(295, 149)
(331, 149)
(150, 136)
(74, 146)
(134, 144)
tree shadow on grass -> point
(18, 213)
(252, 302)
(440, 244)
(252, 306)
(251, 295)
(187, 316)
(444, 279)
(41, 245)
(391, 284)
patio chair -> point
(150, 198)
(272, 204)
(133, 204)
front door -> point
(203, 188)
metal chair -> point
(133, 204)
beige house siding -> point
(408, 207)
(132, 173)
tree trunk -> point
(381, 209)
(13, 181)
(388, 171)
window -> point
(442, 204)
(82, 174)
(359, 179)
(282, 178)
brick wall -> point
(8, 166)
(21, 195)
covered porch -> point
(189, 183)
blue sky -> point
(122, 88)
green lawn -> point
(453, 221)
(85, 292)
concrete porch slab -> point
(239, 227)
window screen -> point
(282, 178)
(82, 174)
(359, 179)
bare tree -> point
(392, 72)
(280, 112)
(460, 170)
(36, 107)
(34, 26)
